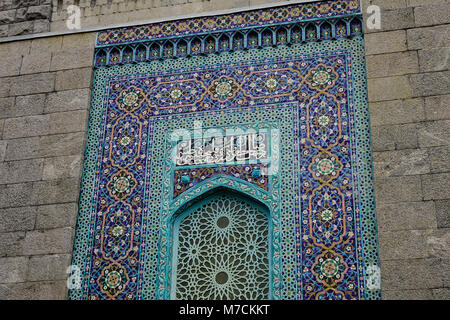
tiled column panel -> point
(409, 83)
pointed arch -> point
(210, 44)
(220, 181)
(215, 185)
(127, 54)
(238, 41)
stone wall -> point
(18, 17)
(409, 85)
(44, 101)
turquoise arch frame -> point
(269, 200)
(180, 214)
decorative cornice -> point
(233, 32)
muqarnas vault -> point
(229, 157)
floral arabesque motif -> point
(130, 99)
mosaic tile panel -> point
(309, 98)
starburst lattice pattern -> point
(223, 250)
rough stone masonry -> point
(44, 101)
